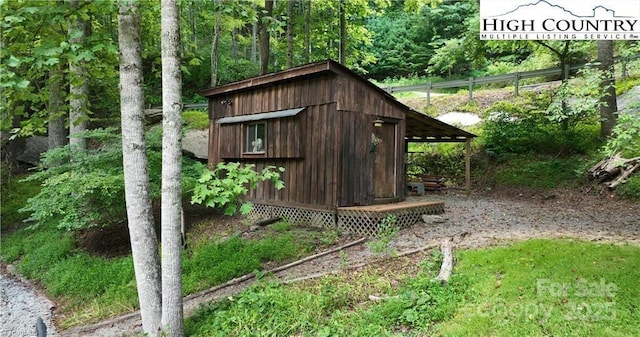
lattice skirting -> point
(354, 220)
(366, 222)
(294, 215)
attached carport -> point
(421, 128)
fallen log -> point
(447, 261)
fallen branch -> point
(447, 261)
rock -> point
(433, 219)
(196, 143)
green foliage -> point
(387, 232)
(625, 137)
(332, 306)
(228, 183)
(545, 173)
(195, 119)
(217, 262)
(630, 189)
(85, 188)
(15, 193)
(528, 126)
(80, 188)
(90, 287)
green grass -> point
(91, 288)
(532, 288)
(549, 288)
(14, 196)
(335, 306)
(196, 119)
(541, 173)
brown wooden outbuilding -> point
(341, 139)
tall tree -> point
(343, 33)
(56, 134)
(78, 85)
(172, 314)
(289, 34)
(307, 32)
(263, 36)
(214, 49)
(608, 100)
(144, 243)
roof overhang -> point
(260, 116)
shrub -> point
(228, 183)
(625, 137)
(630, 189)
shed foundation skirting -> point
(363, 220)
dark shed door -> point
(384, 171)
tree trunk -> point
(172, 313)
(214, 50)
(608, 100)
(254, 40)
(78, 87)
(56, 134)
(263, 36)
(343, 33)
(307, 33)
(234, 45)
(144, 243)
(289, 34)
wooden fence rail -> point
(511, 77)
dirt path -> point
(472, 221)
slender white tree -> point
(144, 242)
(172, 313)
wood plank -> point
(392, 206)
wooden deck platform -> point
(366, 219)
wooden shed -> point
(341, 139)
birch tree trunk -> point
(172, 313)
(214, 50)
(78, 85)
(144, 243)
(56, 135)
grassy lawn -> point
(532, 288)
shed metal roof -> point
(260, 116)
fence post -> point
(624, 67)
(517, 83)
(566, 71)
(470, 88)
(428, 94)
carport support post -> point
(467, 167)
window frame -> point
(246, 147)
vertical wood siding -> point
(325, 149)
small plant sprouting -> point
(387, 232)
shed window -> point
(255, 138)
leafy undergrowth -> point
(532, 288)
(15, 193)
(89, 288)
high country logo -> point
(560, 20)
